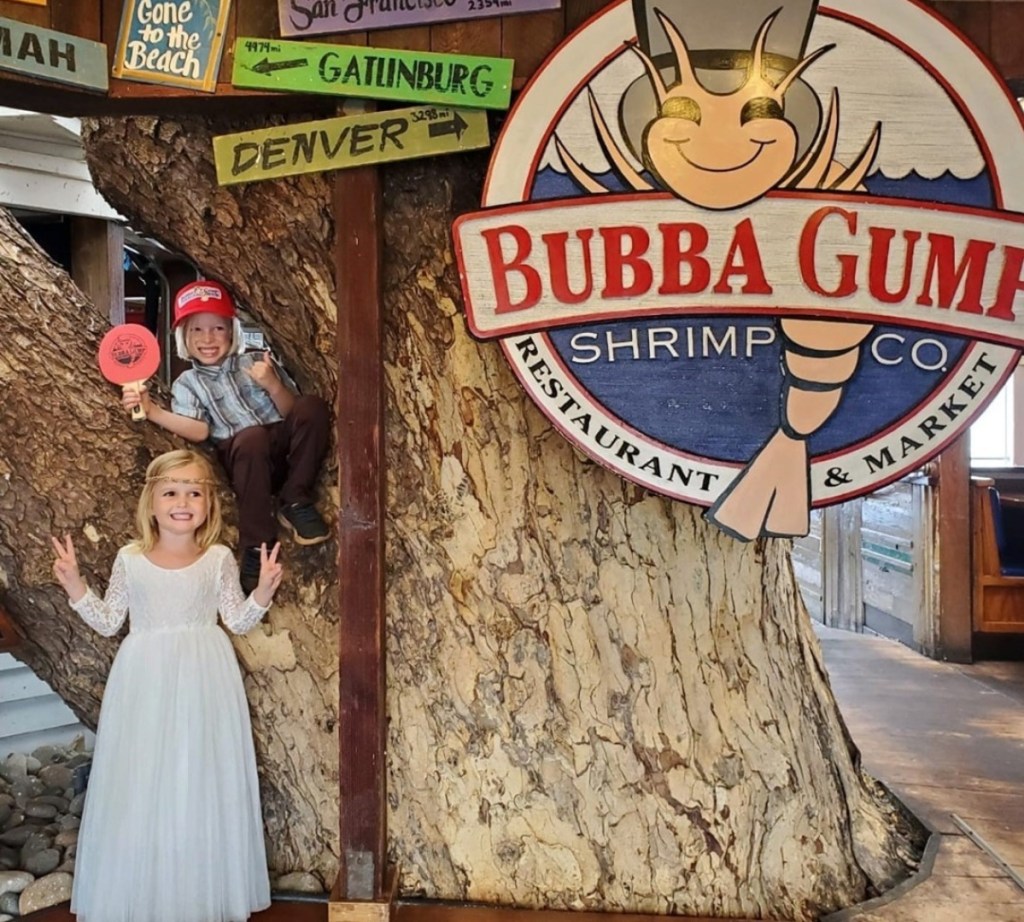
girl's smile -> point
(180, 504)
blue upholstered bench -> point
(1008, 522)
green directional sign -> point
(51, 55)
(352, 140)
(373, 73)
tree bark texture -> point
(595, 699)
(71, 461)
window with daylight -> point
(994, 435)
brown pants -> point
(281, 459)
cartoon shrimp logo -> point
(723, 148)
(714, 285)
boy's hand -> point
(263, 372)
(65, 568)
(132, 398)
(270, 575)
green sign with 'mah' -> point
(49, 55)
(373, 73)
(352, 140)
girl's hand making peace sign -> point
(270, 575)
(65, 568)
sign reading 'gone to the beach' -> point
(172, 42)
(729, 262)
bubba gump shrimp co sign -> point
(756, 255)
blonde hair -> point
(161, 468)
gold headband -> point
(202, 480)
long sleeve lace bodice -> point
(168, 600)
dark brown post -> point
(97, 263)
(953, 544)
(358, 241)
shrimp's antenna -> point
(757, 51)
(678, 43)
(801, 67)
(660, 90)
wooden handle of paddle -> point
(138, 413)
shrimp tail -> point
(771, 496)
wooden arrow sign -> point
(353, 140)
(373, 73)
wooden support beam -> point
(952, 542)
(97, 263)
(360, 429)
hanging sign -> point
(172, 42)
(729, 263)
(315, 17)
(373, 73)
(50, 55)
(352, 140)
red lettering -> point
(617, 258)
(847, 263)
(878, 267)
(744, 258)
(1010, 283)
(673, 257)
(941, 253)
(559, 263)
(500, 269)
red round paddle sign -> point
(129, 353)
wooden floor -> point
(286, 911)
(462, 912)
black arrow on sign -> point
(266, 66)
(456, 126)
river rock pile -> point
(41, 800)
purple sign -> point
(315, 17)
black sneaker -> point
(249, 570)
(305, 523)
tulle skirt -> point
(171, 830)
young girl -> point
(172, 830)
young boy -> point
(269, 439)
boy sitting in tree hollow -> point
(270, 439)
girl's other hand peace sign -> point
(65, 568)
(271, 572)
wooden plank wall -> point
(993, 26)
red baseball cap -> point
(202, 297)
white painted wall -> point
(31, 714)
(42, 166)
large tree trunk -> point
(71, 461)
(595, 699)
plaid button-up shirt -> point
(225, 397)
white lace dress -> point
(172, 830)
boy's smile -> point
(208, 337)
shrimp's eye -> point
(760, 107)
(681, 107)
